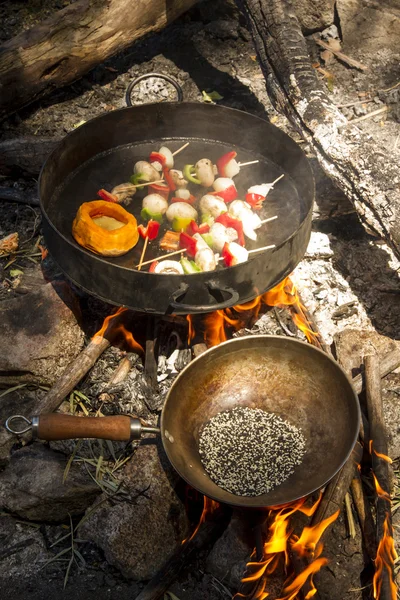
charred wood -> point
(67, 45)
(388, 363)
(13, 195)
(336, 490)
(364, 514)
(380, 467)
(25, 155)
(368, 177)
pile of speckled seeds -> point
(248, 452)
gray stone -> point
(314, 14)
(371, 25)
(139, 536)
(227, 560)
(32, 487)
(39, 336)
(22, 549)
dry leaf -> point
(9, 244)
(327, 57)
(211, 96)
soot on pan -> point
(248, 452)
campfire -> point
(288, 551)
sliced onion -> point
(169, 159)
(169, 267)
(222, 183)
(240, 253)
(232, 168)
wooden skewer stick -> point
(146, 241)
(277, 179)
(161, 257)
(263, 248)
(251, 162)
(269, 219)
(148, 183)
(181, 148)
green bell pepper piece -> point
(147, 215)
(189, 173)
(189, 266)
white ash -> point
(249, 452)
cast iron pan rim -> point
(263, 337)
(99, 258)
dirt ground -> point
(209, 50)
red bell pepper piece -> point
(191, 200)
(227, 255)
(157, 157)
(151, 231)
(237, 225)
(193, 228)
(186, 241)
(255, 200)
(153, 266)
(156, 188)
(169, 180)
(227, 195)
(107, 196)
(223, 161)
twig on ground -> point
(349, 61)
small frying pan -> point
(292, 379)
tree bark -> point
(67, 45)
(25, 155)
(367, 174)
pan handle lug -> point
(170, 80)
(218, 292)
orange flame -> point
(285, 294)
(378, 454)
(385, 558)
(117, 329)
(276, 549)
(379, 490)
(209, 507)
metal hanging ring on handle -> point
(170, 80)
(21, 431)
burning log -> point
(365, 519)
(345, 153)
(384, 587)
(212, 523)
(75, 39)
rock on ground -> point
(23, 550)
(39, 337)
(32, 487)
(139, 536)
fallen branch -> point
(369, 178)
(346, 59)
(75, 39)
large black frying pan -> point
(277, 374)
(101, 154)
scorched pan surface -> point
(101, 154)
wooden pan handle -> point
(64, 427)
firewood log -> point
(368, 175)
(75, 39)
